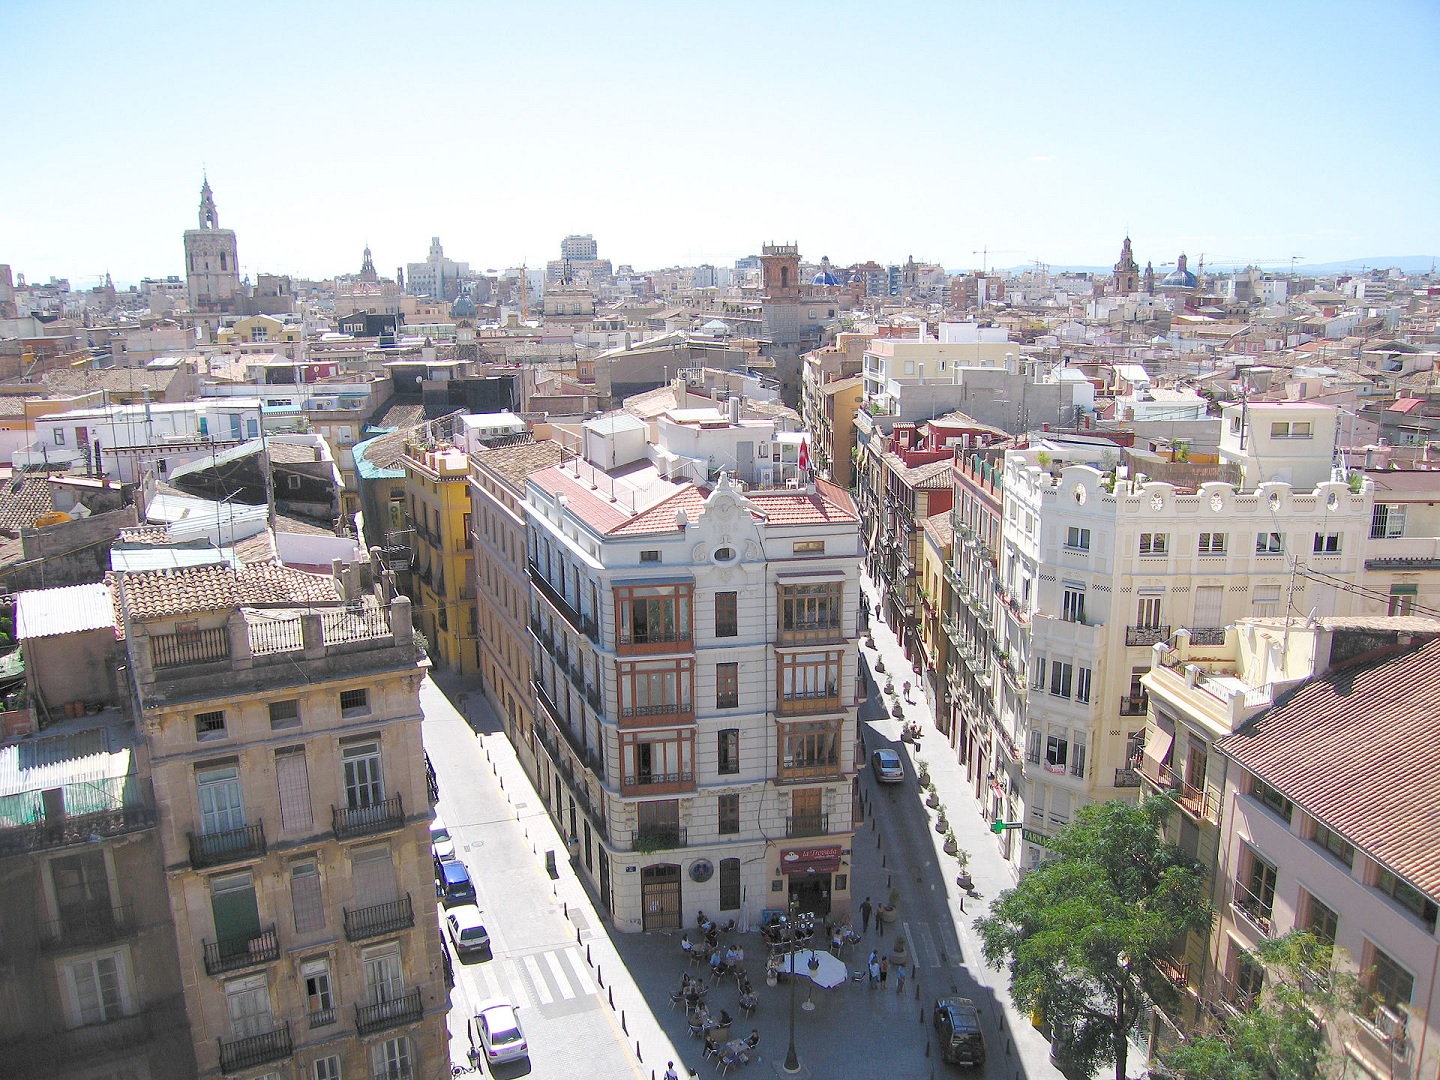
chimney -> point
(734, 409)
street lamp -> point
(792, 1060)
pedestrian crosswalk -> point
(932, 946)
(550, 978)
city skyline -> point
(960, 136)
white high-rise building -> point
(695, 672)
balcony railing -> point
(133, 811)
(658, 838)
(790, 769)
(190, 647)
(350, 822)
(823, 701)
(232, 954)
(669, 708)
(807, 825)
(1146, 635)
(237, 1054)
(1253, 911)
(811, 634)
(377, 919)
(1198, 802)
(322, 1017)
(557, 600)
(1127, 778)
(657, 781)
(1207, 636)
(87, 929)
(232, 845)
(1134, 706)
(1176, 971)
(679, 638)
(405, 1009)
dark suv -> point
(961, 1040)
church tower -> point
(1127, 272)
(780, 270)
(212, 266)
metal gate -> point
(660, 896)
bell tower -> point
(212, 265)
(780, 269)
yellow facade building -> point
(442, 580)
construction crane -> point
(986, 252)
(524, 296)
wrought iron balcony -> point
(238, 1054)
(350, 822)
(658, 838)
(1207, 636)
(322, 1017)
(377, 919)
(1146, 635)
(1253, 911)
(1134, 706)
(807, 825)
(232, 954)
(88, 928)
(557, 600)
(658, 783)
(405, 1009)
(232, 845)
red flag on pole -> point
(805, 455)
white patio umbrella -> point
(828, 971)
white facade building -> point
(1095, 569)
(680, 785)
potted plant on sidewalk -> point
(922, 770)
(899, 951)
(942, 825)
(952, 846)
(964, 880)
(886, 912)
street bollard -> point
(587, 956)
(1007, 1045)
(612, 999)
(637, 1049)
(577, 935)
(599, 975)
(884, 862)
(927, 1051)
(962, 905)
(627, 1030)
(567, 909)
(922, 1015)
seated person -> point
(724, 1019)
(754, 1040)
(685, 944)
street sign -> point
(1034, 837)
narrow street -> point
(546, 940)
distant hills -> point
(1408, 264)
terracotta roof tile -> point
(160, 594)
(661, 518)
(22, 500)
(514, 463)
(803, 508)
(1360, 750)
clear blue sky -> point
(684, 133)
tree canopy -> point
(1282, 1037)
(1081, 931)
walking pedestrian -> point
(899, 978)
(670, 1073)
(879, 926)
(865, 909)
(884, 971)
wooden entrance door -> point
(660, 896)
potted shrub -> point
(922, 771)
(951, 845)
(941, 824)
(886, 912)
(879, 664)
(899, 951)
(933, 799)
(964, 880)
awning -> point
(821, 860)
(1157, 749)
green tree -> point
(1081, 930)
(1283, 1036)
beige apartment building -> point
(91, 986)
(281, 717)
(502, 580)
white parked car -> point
(441, 846)
(467, 933)
(497, 1027)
